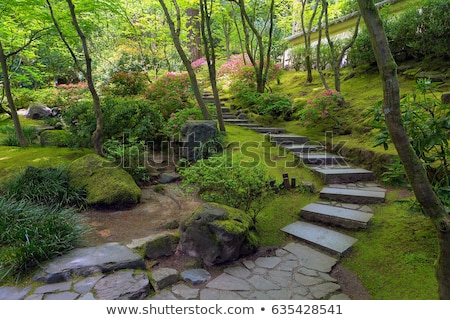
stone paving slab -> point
(268, 130)
(88, 261)
(323, 237)
(288, 139)
(301, 148)
(319, 159)
(343, 217)
(344, 175)
(353, 195)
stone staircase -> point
(345, 201)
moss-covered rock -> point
(216, 234)
(57, 138)
(106, 184)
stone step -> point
(343, 175)
(268, 130)
(225, 109)
(228, 116)
(325, 238)
(248, 125)
(320, 159)
(353, 195)
(235, 121)
(338, 216)
(300, 148)
(288, 139)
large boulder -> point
(216, 234)
(195, 134)
(106, 184)
(38, 111)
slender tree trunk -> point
(210, 55)
(415, 171)
(193, 26)
(307, 36)
(319, 43)
(175, 32)
(7, 86)
(98, 133)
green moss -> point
(58, 138)
(105, 184)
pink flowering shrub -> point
(171, 92)
(325, 105)
(178, 118)
(198, 64)
(69, 94)
(233, 65)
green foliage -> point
(72, 93)
(45, 186)
(427, 122)
(171, 92)
(133, 117)
(178, 118)
(11, 139)
(127, 83)
(274, 105)
(415, 33)
(31, 234)
(297, 56)
(395, 174)
(129, 155)
(229, 182)
(325, 105)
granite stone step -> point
(320, 159)
(353, 195)
(235, 121)
(248, 125)
(338, 216)
(303, 148)
(343, 175)
(324, 238)
(268, 130)
(228, 116)
(288, 139)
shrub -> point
(178, 118)
(274, 105)
(45, 186)
(129, 83)
(228, 182)
(170, 93)
(31, 234)
(325, 105)
(198, 64)
(71, 93)
(133, 117)
(297, 57)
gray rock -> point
(38, 111)
(164, 295)
(88, 261)
(322, 290)
(162, 246)
(310, 258)
(185, 292)
(195, 134)
(13, 293)
(196, 276)
(237, 271)
(215, 233)
(445, 98)
(267, 262)
(53, 288)
(263, 284)
(227, 282)
(169, 177)
(86, 285)
(62, 296)
(164, 277)
(123, 285)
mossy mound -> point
(106, 184)
(57, 138)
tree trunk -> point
(193, 26)
(7, 86)
(175, 32)
(97, 135)
(210, 55)
(415, 171)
